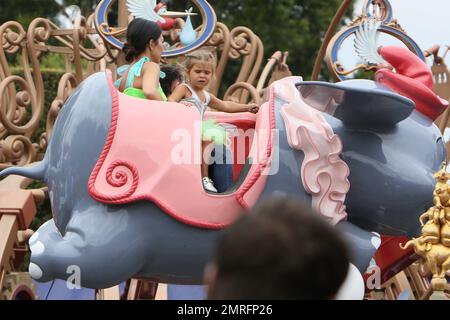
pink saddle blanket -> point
(153, 152)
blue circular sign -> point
(208, 17)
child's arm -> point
(178, 94)
(231, 107)
(150, 81)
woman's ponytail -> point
(139, 34)
(130, 52)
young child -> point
(200, 67)
(143, 50)
(172, 78)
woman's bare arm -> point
(150, 81)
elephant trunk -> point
(36, 172)
(407, 245)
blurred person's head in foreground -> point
(279, 250)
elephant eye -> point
(439, 139)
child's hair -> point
(201, 56)
(173, 74)
(280, 250)
(139, 34)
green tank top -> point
(136, 71)
(210, 130)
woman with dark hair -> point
(143, 50)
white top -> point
(201, 105)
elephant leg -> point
(73, 259)
(445, 234)
(434, 267)
(445, 268)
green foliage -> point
(24, 11)
(362, 74)
(43, 211)
(297, 26)
(43, 214)
(52, 62)
(51, 79)
(87, 6)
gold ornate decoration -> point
(18, 286)
(441, 83)
(328, 35)
(22, 102)
(381, 12)
(242, 45)
(67, 84)
(221, 41)
(433, 246)
(174, 46)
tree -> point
(87, 6)
(24, 11)
(297, 26)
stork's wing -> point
(366, 42)
(144, 9)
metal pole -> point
(123, 14)
(331, 29)
(123, 23)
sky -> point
(427, 22)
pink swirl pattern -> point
(120, 177)
(324, 175)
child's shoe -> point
(208, 185)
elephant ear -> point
(362, 103)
